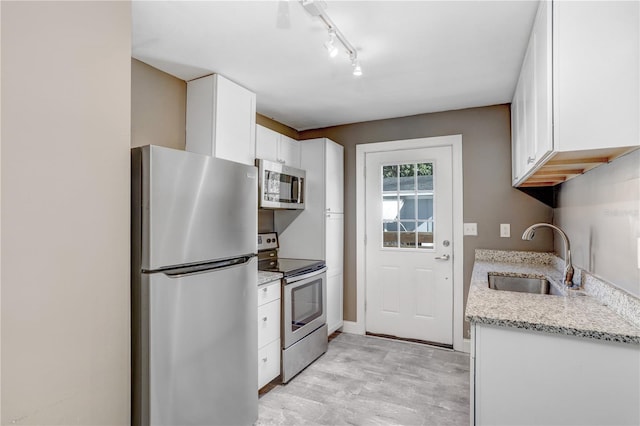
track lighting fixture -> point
(316, 8)
(330, 45)
(357, 69)
(355, 63)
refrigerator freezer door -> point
(194, 208)
(202, 337)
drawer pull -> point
(264, 290)
(264, 359)
(264, 319)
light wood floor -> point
(364, 380)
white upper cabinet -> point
(221, 119)
(304, 234)
(271, 145)
(334, 177)
(531, 107)
(577, 101)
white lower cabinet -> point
(268, 332)
(334, 302)
(268, 363)
(525, 377)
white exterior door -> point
(409, 237)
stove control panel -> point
(268, 241)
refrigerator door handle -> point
(207, 267)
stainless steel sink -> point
(519, 284)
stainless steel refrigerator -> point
(194, 298)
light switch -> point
(505, 230)
(470, 229)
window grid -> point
(408, 205)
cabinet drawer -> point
(268, 363)
(268, 322)
(268, 292)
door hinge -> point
(365, 239)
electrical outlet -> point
(505, 230)
(470, 229)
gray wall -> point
(600, 212)
(489, 198)
(158, 107)
(66, 122)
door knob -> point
(443, 257)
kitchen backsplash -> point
(600, 212)
(265, 221)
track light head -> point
(355, 63)
(330, 45)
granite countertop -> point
(578, 313)
(265, 277)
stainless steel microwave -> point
(280, 186)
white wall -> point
(600, 212)
(65, 118)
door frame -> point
(455, 142)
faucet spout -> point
(529, 233)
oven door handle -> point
(297, 278)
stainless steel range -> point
(304, 301)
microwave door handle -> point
(295, 190)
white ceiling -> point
(416, 56)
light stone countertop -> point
(577, 314)
(266, 276)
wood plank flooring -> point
(364, 380)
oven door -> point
(303, 306)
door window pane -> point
(389, 178)
(425, 206)
(408, 205)
(390, 234)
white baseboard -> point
(466, 345)
(352, 327)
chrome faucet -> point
(568, 267)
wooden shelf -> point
(563, 166)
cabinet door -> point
(518, 379)
(596, 63)
(334, 177)
(200, 115)
(334, 302)
(289, 151)
(541, 45)
(528, 109)
(334, 242)
(266, 143)
(268, 322)
(268, 292)
(519, 143)
(235, 122)
(268, 363)
(515, 136)
(221, 118)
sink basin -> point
(519, 284)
